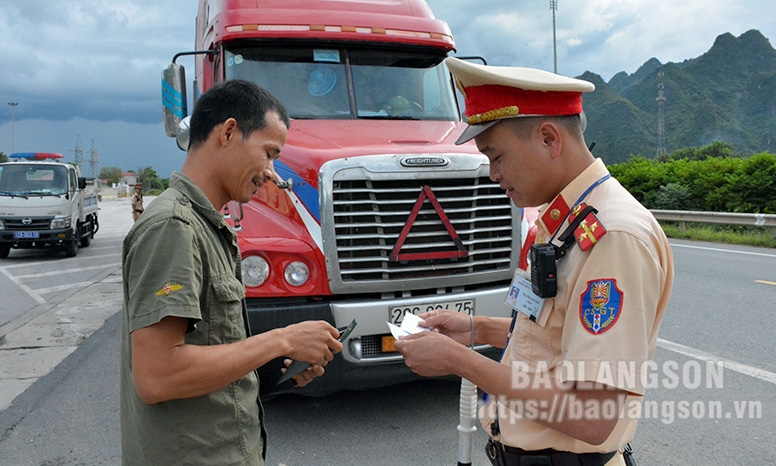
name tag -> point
(522, 298)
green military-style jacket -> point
(181, 259)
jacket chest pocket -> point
(226, 309)
(538, 341)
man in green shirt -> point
(189, 391)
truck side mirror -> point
(81, 183)
(175, 107)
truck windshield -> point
(29, 179)
(341, 83)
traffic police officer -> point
(137, 201)
(569, 387)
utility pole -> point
(661, 129)
(13, 125)
(554, 8)
(93, 160)
(79, 151)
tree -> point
(716, 149)
(149, 178)
(111, 174)
(672, 196)
(3, 157)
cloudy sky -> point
(90, 70)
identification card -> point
(522, 298)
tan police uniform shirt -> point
(137, 205)
(603, 323)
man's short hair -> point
(242, 100)
(522, 126)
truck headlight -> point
(255, 271)
(297, 273)
(2, 225)
(60, 222)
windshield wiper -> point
(387, 117)
(12, 194)
(44, 193)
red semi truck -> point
(383, 214)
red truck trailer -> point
(384, 215)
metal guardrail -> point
(722, 218)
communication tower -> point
(79, 151)
(661, 128)
(94, 160)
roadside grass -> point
(727, 234)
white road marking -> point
(741, 368)
(722, 250)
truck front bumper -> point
(363, 363)
(33, 238)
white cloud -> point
(97, 63)
(603, 36)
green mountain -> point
(727, 94)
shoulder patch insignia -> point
(555, 214)
(167, 288)
(589, 231)
(600, 305)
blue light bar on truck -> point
(35, 155)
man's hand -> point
(305, 377)
(165, 368)
(314, 342)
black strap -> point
(567, 237)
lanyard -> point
(509, 335)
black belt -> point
(549, 457)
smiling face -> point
(251, 159)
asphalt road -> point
(720, 312)
(31, 277)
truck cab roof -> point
(397, 21)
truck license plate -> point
(25, 234)
(396, 313)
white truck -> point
(45, 203)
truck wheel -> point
(4, 250)
(71, 247)
(87, 238)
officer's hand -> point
(429, 354)
(455, 325)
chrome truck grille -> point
(391, 223)
(27, 223)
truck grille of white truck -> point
(27, 223)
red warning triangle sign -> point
(460, 250)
